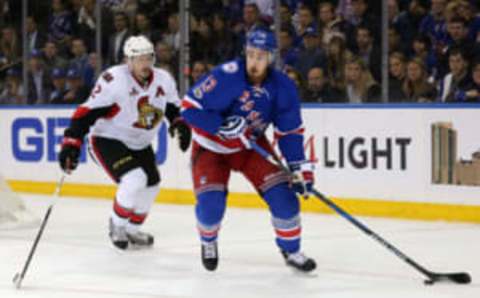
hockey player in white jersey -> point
(121, 117)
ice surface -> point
(75, 258)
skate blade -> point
(301, 273)
(304, 274)
(130, 247)
(136, 247)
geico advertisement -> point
(394, 154)
(32, 141)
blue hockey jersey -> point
(226, 91)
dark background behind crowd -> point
(330, 49)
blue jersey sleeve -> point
(211, 96)
(288, 121)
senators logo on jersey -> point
(148, 115)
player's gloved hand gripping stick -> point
(457, 277)
(302, 178)
(235, 128)
(69, 154)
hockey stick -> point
(19, 276)
(433, 277)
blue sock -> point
(285, 209)
(209, 210)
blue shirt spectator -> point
(433, 25)
(60, 22)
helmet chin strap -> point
(154, 60)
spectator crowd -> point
(331, 49)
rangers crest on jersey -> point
(260, 91)
(148, 115)
(245, 96)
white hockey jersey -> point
(135, 112)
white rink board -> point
(413, 182)
(412, 126)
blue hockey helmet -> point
(262, 39)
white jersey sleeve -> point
(171, 93)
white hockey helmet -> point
(137, 46)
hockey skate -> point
(140, 239)
(299, 261)
(118, 235)
(210, 255)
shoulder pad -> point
(163, 74)
(107, 76)
(114, 73)
(230, 67)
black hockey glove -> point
(184, 133)
(69, 154)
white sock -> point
(142, 206)
(129, 189)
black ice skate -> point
(140, 239)
(118, 235)
(299, 261)
(210, 255)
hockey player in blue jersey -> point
(236, 102)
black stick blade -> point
(459, 278)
